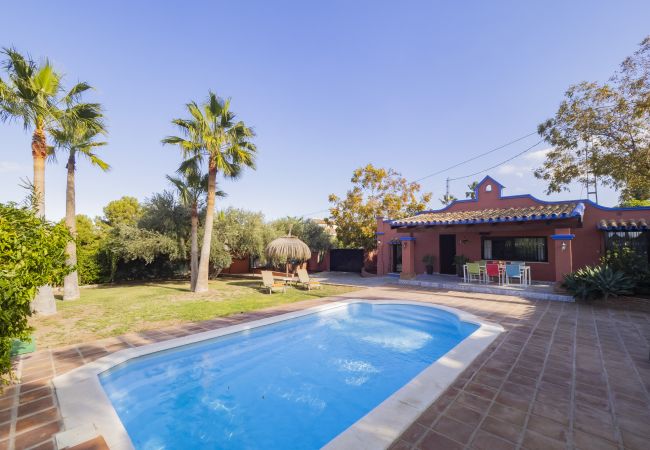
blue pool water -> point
(295, 384)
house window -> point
(530, 249)
(638, 241)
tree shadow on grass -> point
(171, 285)
(243, 283)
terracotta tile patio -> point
(562, 376)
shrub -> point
(600, 281)
(632, 264)
(137, 253)
(89, 241)
(32, 254)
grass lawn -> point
(113, 310)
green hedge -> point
(32, 254)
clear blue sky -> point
(328, 86)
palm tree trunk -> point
(39, 155)
(44, 302)
(194, 247)
(204, 262)
(71, 281)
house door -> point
(396, 257)
(447, 253)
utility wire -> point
(499, 164)
(313, 212)
(465, 162)
(475, 157)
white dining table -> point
(523, 270)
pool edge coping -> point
(377, 429)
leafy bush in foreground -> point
(32, 254)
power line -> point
(313, 212)
(499, 164)
(465, 162)
(475, 157)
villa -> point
(553, 238)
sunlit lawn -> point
(114, 310)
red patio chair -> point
(492, 270)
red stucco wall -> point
(316, 265)
(238, 266)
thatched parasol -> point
(288, 248)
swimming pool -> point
(295, 383)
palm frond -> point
(22, 67)
(211, 131)
(96, 160)
(46, 80)
(75, 92)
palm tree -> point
(31, 94)
(191, 186)
(78, 138)
(213, 133)
(447, 199)
(471, 193)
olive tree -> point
(603, 129)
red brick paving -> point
(561, 376)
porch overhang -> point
(623, 225)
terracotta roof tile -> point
(539, 212)
(623, 224)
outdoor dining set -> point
(503, 272)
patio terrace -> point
(535, 291)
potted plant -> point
(428, 263)
(459, 262)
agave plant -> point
(601, 281)
(612, 282)
(579, 284)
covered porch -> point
(545, 247)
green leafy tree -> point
(32, 254)
(126, 243)
(634, 203)
(603, 129)
(76, 138)
(243, 233)
(164, 213)
(220, 257)
(125, 211)
(308, 231)
(212, 133)
(375, 192)
(89, 240)
(33, 94)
